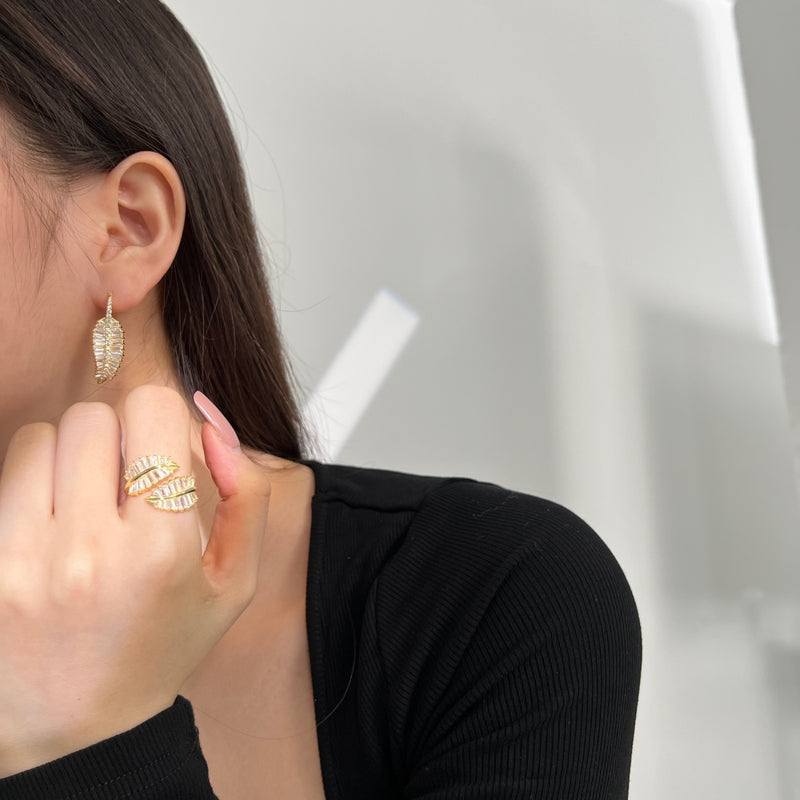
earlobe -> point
(144, 219)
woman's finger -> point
(86, 464)
(26, 482)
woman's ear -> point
(139, 209)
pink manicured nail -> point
(221, 425)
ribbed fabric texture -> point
(466, 642)
(160, 758)
(496, 648)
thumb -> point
(234, 546)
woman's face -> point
(46, 315)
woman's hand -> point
(106, 607)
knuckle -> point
(89, 415)
(74, 580)
(33, 434)
(161, 397)
(20, 583)
(163, 558)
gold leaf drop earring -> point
(108, 343)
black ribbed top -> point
(160, 758)
(493, 645)
(466, 642)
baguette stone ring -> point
(168, 494)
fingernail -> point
(215, 417)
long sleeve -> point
(159, 759)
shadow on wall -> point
(727, 524)
(768, 37)
(782, 661)
(722, 475)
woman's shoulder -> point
(419, 543)
(372, 488)
(444, 512)
(484, 621)
(391, 490)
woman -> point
(374, 634)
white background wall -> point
(565, 196)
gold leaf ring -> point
(153, 472)
(147, 472)
(177, 495)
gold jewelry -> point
(108, 343)
(176, 495)
(147, 472)
(152, 472)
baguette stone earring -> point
(108, 343)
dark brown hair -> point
(87, 83)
